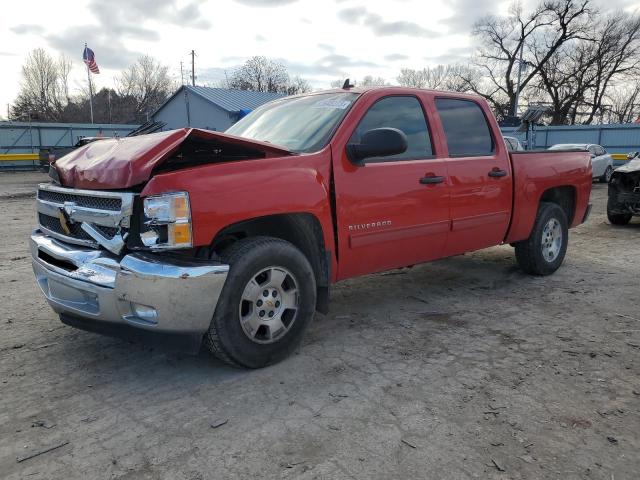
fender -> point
(227, 193)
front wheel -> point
(543, 252)
(267, 303)
(606, 176)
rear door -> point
(393, 211)
(480, 175)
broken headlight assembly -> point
(167, 221)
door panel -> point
(387, 218)
(480, 205)
(393, 211)
(480, 176)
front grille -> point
(100, 203)
(107, 212)
(53, 224)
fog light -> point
(144, 312)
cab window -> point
(401, 112)
(465, 128)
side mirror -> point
(378, 142)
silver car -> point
(513, 144)
(601, 161)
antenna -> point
(347, 85)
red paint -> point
(385, 217)
(118, 163)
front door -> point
(394, 210)
(480, 174)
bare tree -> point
(261, 74)
(147, 83)
(623, 103)
(455, 77)
(616, 54)
(371, 81)
(43, 88)
(547, 27)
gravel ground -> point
(461, 368)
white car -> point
(601, 161)
(513, 144)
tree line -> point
(578, 61)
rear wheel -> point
(266, 305)
(543, 252)
(606, 176)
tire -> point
(257, 265)
(533, 254)
(606, 176)
(618, 218)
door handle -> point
(496, 173)
(431, 180)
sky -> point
(320, 40)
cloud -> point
(332, 65)
(327, 47)
(453, 55)
(393, 57)
(468, 12)
(265, 3)
(26, 29)
(122, 17)
(260, 38)
(361, 16)
(7, 54)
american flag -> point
(90, 59)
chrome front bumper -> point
(146, 291)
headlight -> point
(167, 222)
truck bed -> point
(535, 173)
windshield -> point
(300, 124)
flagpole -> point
(90, 90)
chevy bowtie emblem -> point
(64, 215)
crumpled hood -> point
(118, 163)
(630, 166)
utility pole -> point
(181, 73)
(515, 105)
(193, 68)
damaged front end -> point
(624, 190)
(111, 260)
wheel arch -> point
(565, 197)
(303, 230)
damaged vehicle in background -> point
(624, 193)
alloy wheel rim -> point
(551, 240)
(269, 305)
(608, 173)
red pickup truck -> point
(235, 238)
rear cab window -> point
(404, 113)
(465, 127)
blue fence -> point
(621, 138)
(23, 137)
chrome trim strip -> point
(114, 244)
(105, 218)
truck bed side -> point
(540, 175)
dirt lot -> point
(462, 368)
